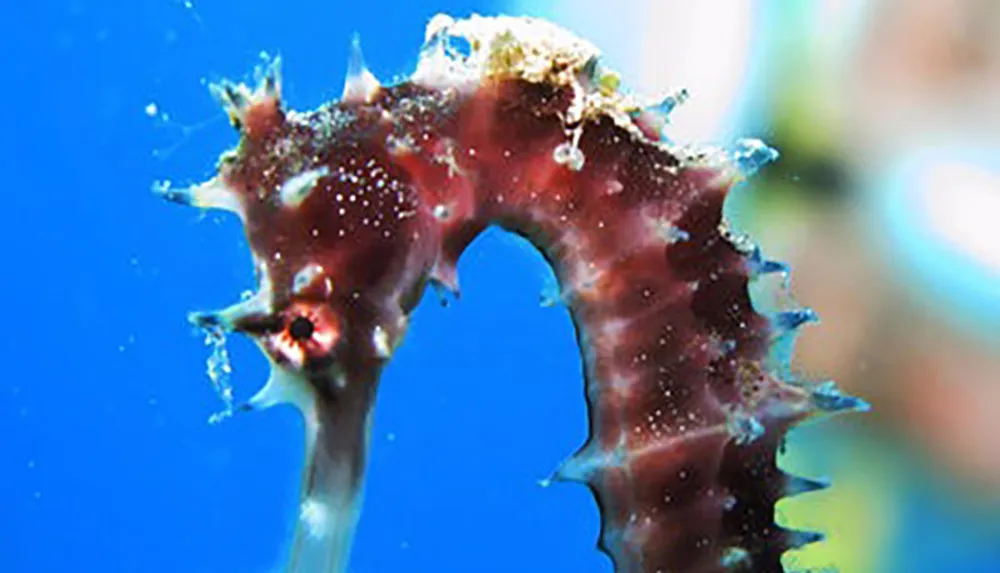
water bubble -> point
(219, 370)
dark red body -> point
(686, 412)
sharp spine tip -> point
(797, 485)
(212, 194)
(271, 82)
(231, 95)
(590, 72)
(166, 191)
(797, 539)
(360, 85)
(444, 279)
(760, 266)
(793, 319)
(206, 320)
(827, 397)
(579, 468)
(245, 316)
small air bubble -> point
(219, 370)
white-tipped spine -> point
(361, 85)
(212, 194)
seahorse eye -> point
(301, 328)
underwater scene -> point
(644, 286)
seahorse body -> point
(352, 209)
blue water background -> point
(107, 460)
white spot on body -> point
(441, 212)
(671, 233)
(295, 190)
(306, 277)
(380, 342)
(569, 155)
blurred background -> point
(885, 202)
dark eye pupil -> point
(301, 328)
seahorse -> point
(353, 209)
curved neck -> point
(352, 209)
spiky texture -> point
(352, 209)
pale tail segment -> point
(352, 209)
